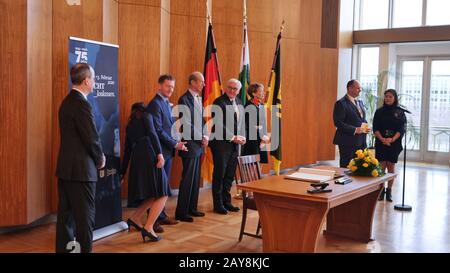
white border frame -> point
(92, 41)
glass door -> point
(439, 110)
(424, 89)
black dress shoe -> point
(158, 228)
(220, 210)
(152, 238)
(131, 223)
(168, 221)
(185, 218)
(197, 213)
(231, 207)
(388, 195)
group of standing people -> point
(150, 145)
(151, 142)
(389, 121)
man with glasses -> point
(228, 135)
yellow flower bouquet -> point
(365, 164)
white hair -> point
(237, 82)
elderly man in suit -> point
(229, 134)
(192, 129)
(351, 124)
(161, 111)
(80, 156)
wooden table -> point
(291, 218)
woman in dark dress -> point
(255, 123)
(147, 182)
(389, 127)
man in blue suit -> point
(351, 124)
(192, 128)
(161, 111)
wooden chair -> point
(249, 170)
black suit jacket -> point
(223, 134)
(163, 120)
(192, 122)
(346, 119)
(255, 129)
(80, 152)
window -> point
(368, 68)
(410, 96)
(379, 14)
(407, 13)
(439, 124)
(374, 14)
(438, 12)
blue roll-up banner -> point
(105, 105)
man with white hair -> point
(225, 145)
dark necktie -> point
(169, 110)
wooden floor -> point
(425, 229)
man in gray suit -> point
(197, 140)
(80, 156)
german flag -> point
(274, 100)
(211, 91)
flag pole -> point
(245, 12)
(239, 191)
(214, 42)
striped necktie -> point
(359, 108)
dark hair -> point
(350, 83)
(137, 109)
(393, 93)
(79, 72)
(165, 77)
(253, 88)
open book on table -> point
(312, 175)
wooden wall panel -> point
(187, 52)
(111, 21)
(330, 23)
(84, 21)
(311, 95)
(191, 8)
(139, 58)
(39, 103)
(150, 3)
(164, 65)
(328, 89)
(261, 19)
(290, 12)
(310, 21)
(13, 105)
(402, 35)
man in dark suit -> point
(192, 123)
(350, 120)
(80, 156)
(229, 132)
(161, 111)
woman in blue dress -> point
(147, 181)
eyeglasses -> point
(233, 88)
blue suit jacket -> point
(163, 121)
(346, 119)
